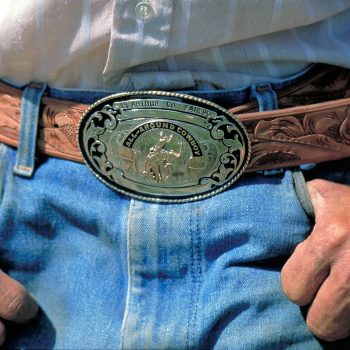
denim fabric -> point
(26, 151)
(111, 272)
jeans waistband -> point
(225, 98)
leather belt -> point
(297, 133)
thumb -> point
(330, 200)
(322, 194)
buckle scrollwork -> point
(162, 146)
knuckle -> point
(321, 247)
(331, 244)
(302, 274)
(319, 333)
(326, 334)
(317, 252)
(338, 234)
(327, 329)
(14, 302)
(300, 248)
(297, 296)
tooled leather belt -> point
(312, 124)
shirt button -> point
(143, 9)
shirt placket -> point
(140, 33)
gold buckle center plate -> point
(163, 146)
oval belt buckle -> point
(163, 146)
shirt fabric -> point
(169, 44)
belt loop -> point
(29, 118)
(267, 101)
(266, 96)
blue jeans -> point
(110, 272)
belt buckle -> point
(163, 146)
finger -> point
(310, 263)
(329, 314)
(305, 271)
(326, 196)
(16, 304)
(2, 333)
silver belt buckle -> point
(162, 146)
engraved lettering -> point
(132, 137)
(171, 105)
(189, 138)
(198, 110)
(142, 104)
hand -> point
(318, 272)
(15, 303)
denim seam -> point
(128, 295)
(196, 278)
(188, 340)
(3, 162)
(3, 149)
(199, 270)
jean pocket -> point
(302, 191)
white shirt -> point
(168, 44)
